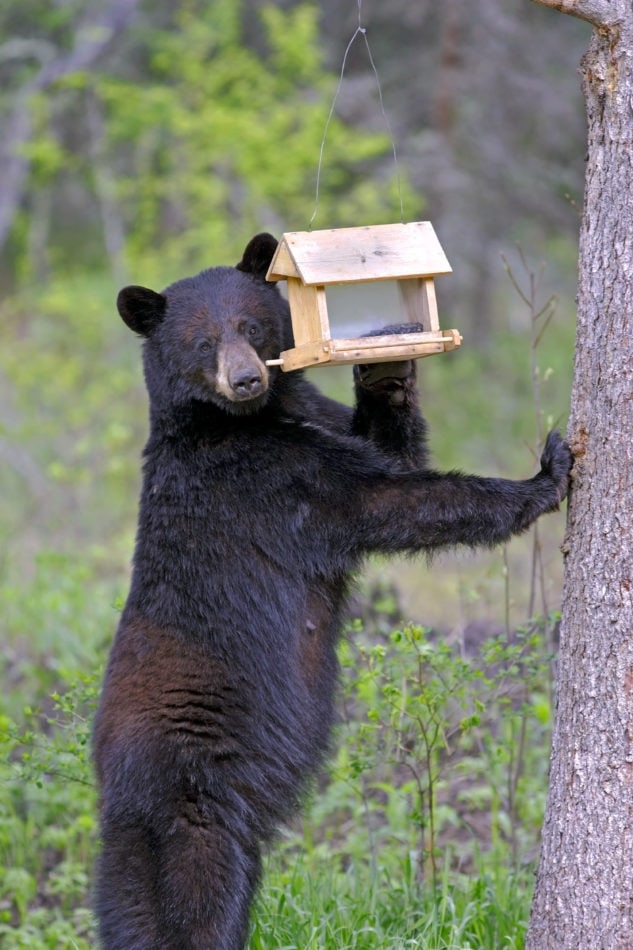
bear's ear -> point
(141, 308)
(257, 255)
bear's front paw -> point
(389, 379)
(556, 462)
(386, 379)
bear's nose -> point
(247, 384)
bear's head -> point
(207, 338)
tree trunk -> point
(584, 887)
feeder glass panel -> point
(356, 309)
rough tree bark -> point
(584, 887)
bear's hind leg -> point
(207, 883)
(126, 901)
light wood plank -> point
(352, 255)
(384, 341)
(308, 310)
(386, 354)
(308, 354)
(419, 301)
(282, 264)
(376, 349)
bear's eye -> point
(204, 346)
(252, 330)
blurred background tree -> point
(133, 128)
(497, 156)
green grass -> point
(312, 904)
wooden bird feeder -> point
(312, 260)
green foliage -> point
(56, 620)
(47, 823)
(317, 905)
(221, 129)
(420, 710)
(184, 143)
(475, 432)
(46, 154)
(422, 837)
(72, 422)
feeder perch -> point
(312, 260)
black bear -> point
(260, 499)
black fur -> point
(260, 499)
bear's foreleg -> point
(417, 511)
(388, 406)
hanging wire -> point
(360, 31)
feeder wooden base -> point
(369, 349)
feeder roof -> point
(353, 255)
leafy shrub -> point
(47, 823)
(421, 837)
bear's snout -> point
(247, 383)
(241, 375)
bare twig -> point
(540, 316)
(600, 13)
